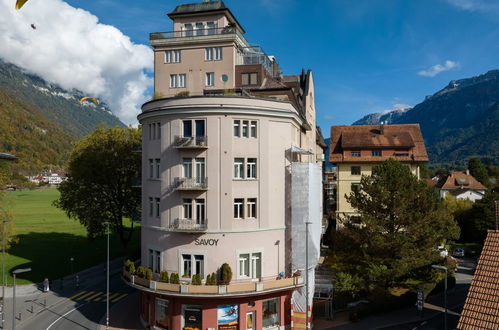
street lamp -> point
(306, 275)
(15, 272)
(4, 221)
(71, 260)
(445, 292)
(107, 279)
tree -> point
(478, 171)
(7, 229)
(98, 189)
(402, 221)
(482, 217)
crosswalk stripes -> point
(97, 296)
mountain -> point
(386, 117)
(459, 121)
(39, 120)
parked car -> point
(443, 251)
(458, 252)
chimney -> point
(382, 128)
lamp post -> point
(445, 292)
(307, 320)
(107, 278)
(278, 269)
(4, 221)
(71, 261)
(14, 273)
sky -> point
(366, 56)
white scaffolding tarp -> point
(306, 206)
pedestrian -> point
(46, 285)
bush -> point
(174, 278)
(129, 266)
(208, 280)
(148, 274)
(213, 279)
(226, 273)
(347, 285)
(196, 279)
(157, 95)
(163, 277)
(141, 272)
(182, 94)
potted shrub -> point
(148, 274)
(141, 272)
(208, 280)
(226, 273)
(164, 277)
(129, 267)
(213, 279)
(196, 279)
(174, 279)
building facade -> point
(218, 162)
(460, 185)
(356, 150)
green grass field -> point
(47, 239)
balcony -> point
(235, 288)
(191, 142)
(189, 225)
(191, 183)
(173, 37)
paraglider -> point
(83, 99)
(33, 26)
(20, 3)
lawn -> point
(47, 239)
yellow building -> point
(355, 150)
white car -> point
(443, 251)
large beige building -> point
(357, 149)
(222, 143)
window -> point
(187, 208)
(168, 56)
(355, 153)
(155, 260)
(181, 80)
(200, 128)
(355, 187)
(200, 211)
(200, 170)
(238, 208)
(208, 54)
(192, 264)
(211, 26)
(253, 129)
(250, 265)
(271, 312)
(158, 128)
(173, 81)
(199, 29)
(238, 168)
(355, 170)
(376, 153)
(251, 168)
(187, 125)
(162, 313)
(245, 128)
(151, 206)
(355, 219)
(237, 128)
(210, 78)
(177, 58)
(187, 164)
(218, 53)
(251, 208)
(154, 131)
(151, 169)
(249, 78)
(158, 168)
(157, 202)
(188, 30)
(192, 317)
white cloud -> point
(438, 68)
(475, 5)
(71, 48)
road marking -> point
(85, 295)
(60, 317)
(118, 298)
(76, 295)
(94, 296)
(111, 296)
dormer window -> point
(188, 30)
(211, 26)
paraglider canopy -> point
(20, 3)
(83, 99)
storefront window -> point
(271, 312)
(162, 314)
(192, 317)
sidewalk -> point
(31, 300)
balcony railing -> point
(191, 183)
(194, 33)
(189, 225)
(235, 288)
(191, 142)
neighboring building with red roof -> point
(481, 309)
(461, 185)
(357, 149)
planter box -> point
(168, 287)
(141, 281)
(279, 283)
(206, 289)
(242, 287)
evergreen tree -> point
(478, 171)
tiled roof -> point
(189, 8)
(366, 137)
(481, 309)
(461, 180)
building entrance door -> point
(250, 321)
